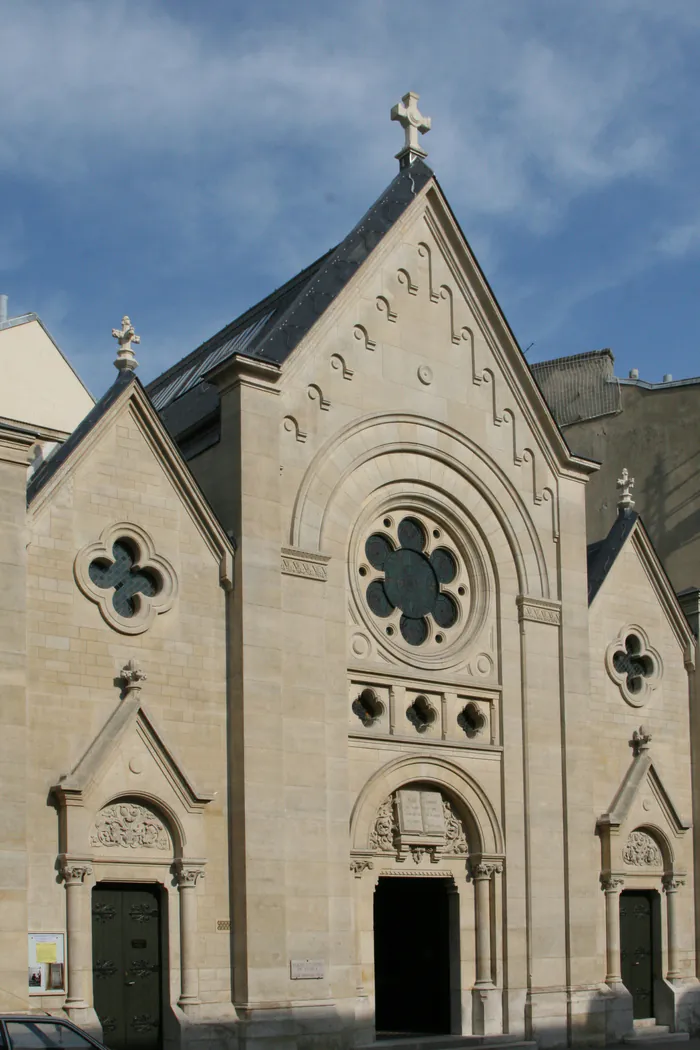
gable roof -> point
(603, 555)
(272, 328)
(641, 768)
(127, 387)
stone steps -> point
(646, 1030)
(449, 1042)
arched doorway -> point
(414, 924)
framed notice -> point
(46, 959)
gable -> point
(39, 387)
(627, 581)
(121, 457)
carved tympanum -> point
(420, 820)
(641, 851)
(130, 826)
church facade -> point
(320, 720)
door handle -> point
(129, 983)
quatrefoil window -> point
(633, 665)
(415, 581)
(126, 578)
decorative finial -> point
(132, 676)
(125, 336)
(625, 484)
(412, 121)
(641, 738)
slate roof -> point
(602, 555)
(272, 328)
(49, 467)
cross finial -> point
(132, 675)
(125, 336)
(625, 484)
(412, 121)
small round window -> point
(125, 578)
(413, 580)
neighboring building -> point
(647, 427)
(334, 730)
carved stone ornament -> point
(671, 883)
(539, 610)
(125, 558)
(611, 883)
(641, 851)
(74, 874)
(423, 822)
(128, 825)
(485, 869)
(132, 675)
(187, 876)
(309, 565)
(360, 864)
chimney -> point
(634, 373)
(668, 378)
(3, 308)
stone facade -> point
(396, 677)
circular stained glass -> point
(377, 599)
(411, 534)
(377, 549)
(414, 631)
(412, 581)
(444, 564)
(445, 611)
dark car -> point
(43, 1032)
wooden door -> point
(636, 950)
(126, 964)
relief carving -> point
(129, 826)
(385, 827)
(420, 822)
(641, 851)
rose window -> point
(414, 580)
(632, 664)
(125, 578)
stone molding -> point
(148, 608)
(539, 610)
(310, 565)
(129, 825)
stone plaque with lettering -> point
(433, 813)
(410, 813)
(306, 969)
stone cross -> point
(125, 336)
(412, 121)
(625, 484)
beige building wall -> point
(39, 386)
(171, 756)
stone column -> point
(612, 887)
(482, 873)
(79, 935)
(671, 885)
(187, 877)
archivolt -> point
(355, 445)
(463, 789)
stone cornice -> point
(539, 610)
(16, 445)
(240, 370)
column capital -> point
(611, 883)
(484, 869)
(188, 874)
(672, 882)
(73, 872)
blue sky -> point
(177, 160)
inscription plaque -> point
(306, 969)
(410, 812)
(433, 813)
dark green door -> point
(126, 964)
(636, 950)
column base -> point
(487, 1010)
